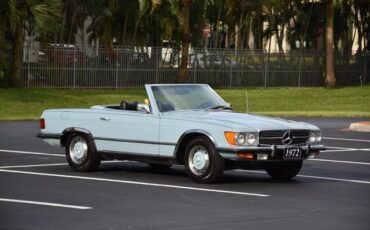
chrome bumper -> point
(271, 150)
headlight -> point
(315, 136)
(318, 137)
(234, 138)
(251, 138)
(312, 137)
(240, 138)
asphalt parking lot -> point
(39, 191)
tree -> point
(183, 71)
(362, 22)
(29, 15)
(157, 20)
(329, 42)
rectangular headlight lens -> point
(318, 136)
(315, 136)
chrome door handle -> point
(104, 118)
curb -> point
(363, 126)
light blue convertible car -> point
(186, 124)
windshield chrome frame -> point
(153, 103)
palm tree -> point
(157, 20)
(35, 14)
(329, 42)
(185, 31)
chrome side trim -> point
(56, 136)
(133, 141)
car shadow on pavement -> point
(135, 170)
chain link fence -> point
(67, 66)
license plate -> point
(292, 153)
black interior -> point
(124, 105)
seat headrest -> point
(128, 106)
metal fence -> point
(67, 66)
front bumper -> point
(274, 152)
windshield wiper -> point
(220, 107)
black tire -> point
(159, 166)
(284, 170)
(212, 171)
(86, 161)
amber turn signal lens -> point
(230, 137)
(42, 123)
(248, 156)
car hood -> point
(240, 121)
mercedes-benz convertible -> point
(185, 124)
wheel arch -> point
(185, 138)
(71, 130)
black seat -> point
(128, 106)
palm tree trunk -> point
(17, 55)
(183, 72)
(330, 78)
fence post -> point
(116, 83)
(299, 68)
(365, 67)
(194, 69)
(157, 60)
(28, 65)
(231, 76)
(265, 75)
(74, 67)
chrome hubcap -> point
(78, 150)
(198, 160)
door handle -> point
(104, 118)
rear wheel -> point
(203, 163)
(285, 170)
(81, 153)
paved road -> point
(39, 191)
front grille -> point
(275, 137)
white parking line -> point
(313, 177)
(341, 149)
(335, 179)
(338, 161)
(335, 147)
(345, 139)
(337, 150)
(136, 183)
(47, 165)
(32, 153)
(45, 204)
(30, 166)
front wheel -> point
(284, 170)
(203, 163)
(81, 153)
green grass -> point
(287, 102)
(27, 104)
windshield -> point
(186, 97)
